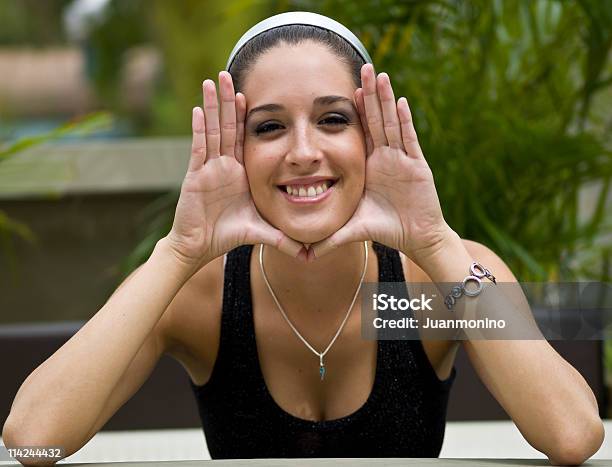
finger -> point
(347, 234)
(277, 239)
(409, 136)
(373, 111)
(211, 117)
(389, 110)
(198, 140)
(240, 115)
(361, 110)
(228, 114)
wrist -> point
(178, 264)
(447, 261)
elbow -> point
(576, 447)
(15, 437)
(9, 435)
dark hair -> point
(294, 34)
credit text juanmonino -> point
(385, 302)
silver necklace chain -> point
(297, 333)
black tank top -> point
(404, 415)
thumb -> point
(347, 234)
(268, 235)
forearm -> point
(69, 389)
(550, 402)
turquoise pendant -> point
(321, 367)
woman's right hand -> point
(215, 211)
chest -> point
(290, 370)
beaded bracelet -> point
(477, 271)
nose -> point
(304, 151)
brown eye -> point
(335, 120)
(267, 127)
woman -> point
(315, 160)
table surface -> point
(391, 462)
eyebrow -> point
(321, 101)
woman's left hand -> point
(399, 207)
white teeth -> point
(309, 191)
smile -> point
(307, 194)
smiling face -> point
(302, 129)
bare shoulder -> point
(194, 321)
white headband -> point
(300, 17)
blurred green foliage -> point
(124, 26)
(32, 22)
(9, 227)
(193, 37)
(201, 32)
